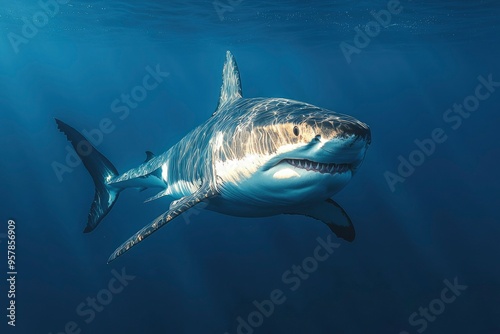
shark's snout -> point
(343, 141)
(350, 129)
(355, 129)
(329, 125)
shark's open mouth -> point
(319, 167)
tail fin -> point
(101, 170)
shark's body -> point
(254, 157)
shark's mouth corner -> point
(319, 167)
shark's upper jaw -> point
(319, 167)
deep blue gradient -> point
(199, 277)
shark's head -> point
(289, 151)
(281, 151)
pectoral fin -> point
(159, 195)
(175, 210)
(330, 213)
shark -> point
(254, 157)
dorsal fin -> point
(149, 155)
(157, 172)
(231, 83)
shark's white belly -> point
(257, 197)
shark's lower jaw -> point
(319, 167)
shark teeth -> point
(320, 167)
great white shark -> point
(254, 157)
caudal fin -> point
(101, 170)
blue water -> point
(199, 275)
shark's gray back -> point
(191, 160)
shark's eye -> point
(296, 130)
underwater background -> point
(424, 75)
